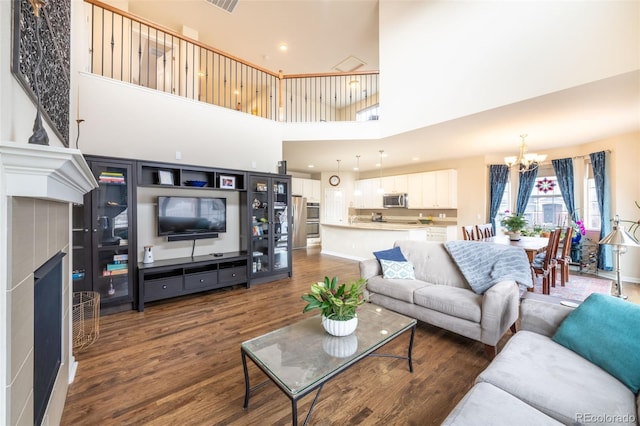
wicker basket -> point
(85, 318)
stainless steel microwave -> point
(395, 200)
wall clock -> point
(334, 180)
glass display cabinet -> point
(269, 199)
(104, 236)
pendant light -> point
(357, 192)
(525, 160)
(380, 188)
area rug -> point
(578, 287)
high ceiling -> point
(256, 28)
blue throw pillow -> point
(604, 329)
(394, 254)
(397, 270)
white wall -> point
(162, 249)
(495, 53)
(128, 121)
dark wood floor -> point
(178, 363)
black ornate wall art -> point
(53, 81)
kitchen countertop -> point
(388, 226)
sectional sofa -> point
(535, 380)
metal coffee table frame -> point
(369, 334)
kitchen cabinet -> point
(269, 206)
(428, 190)
(297, 186)
(307, 188)
(104, 233)
(438, 189)
(370, 196)
(395, 184)
(311, 190)
(414, 190)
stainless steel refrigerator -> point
(299, 222)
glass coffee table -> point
(302, 357)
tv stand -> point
(164, 279)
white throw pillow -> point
(397, 270)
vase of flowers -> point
(338, 304)
(578, 231)
(514, 223)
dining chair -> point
(544, 264)
(468, 232)
(564, 259)
(485, 231)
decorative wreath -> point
(545, 185)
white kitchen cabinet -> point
(311, 190)
(394, 184)
(297, 186)
(308, 188)
(414, 190)
(370, 197)
(440, 189)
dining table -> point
(531, 245)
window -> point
(592, 211)
(367, 114)
(546, 206)
(505, 204)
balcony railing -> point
(130, 49)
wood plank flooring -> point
(178, 363)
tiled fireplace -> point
(37, 186)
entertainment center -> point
(190, 203)
(164, 279)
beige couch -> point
(536, 381)
(441, 296)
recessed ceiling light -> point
(311, 166)
(415, 158)
(283, 47)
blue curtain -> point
(525, 186)
(498, 178)
(598, 163)
(564, 172)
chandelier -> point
(525, 160)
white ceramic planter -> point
(514, 236)
(339, 328)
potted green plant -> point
(338, 304)
(514, 224)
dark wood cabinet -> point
(104, 234)
(164, 279)
(268, 199)
(178, 176)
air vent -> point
(349, 65)
(227, 5)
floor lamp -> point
(619, 239)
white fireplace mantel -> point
(42, 171)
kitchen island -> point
(359, 240)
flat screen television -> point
(187, 218)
